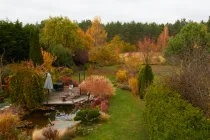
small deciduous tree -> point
(97, 32)
(191, 35)
(120, 46)
(103, 56)
(61, 30)
(146, 47)
(162, 41)
(48, 60)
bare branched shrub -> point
(192, 79)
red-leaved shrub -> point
(104, 105)
(75, 83)
(66, 80)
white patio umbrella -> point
(48, 82)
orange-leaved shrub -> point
(121, 76)
(98, 86)
(8, 123)
(134, 85)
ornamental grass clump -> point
(8, 123)
(98, 86)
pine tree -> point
(35, 50)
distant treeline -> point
(133, 31)
(14, 36)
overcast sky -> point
(160, 11)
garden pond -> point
(42, 118)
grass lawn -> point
(125, 111)
(125, 122)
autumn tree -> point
(119, 45)
(64, 56)
(146, 47)
(191, 36)
(61, 30)
(97, 32)
(116, 44)
(162, 41)
(48, 59)
(35, 50)
(86, 39)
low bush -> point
(104, 105)
(88, 115)
(8, 124)
(124, 86)
(134, 85)
(121, 76)
(99, 86)
(168, 117)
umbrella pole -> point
(48, 92)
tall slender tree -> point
(35, 50)
(98, 32)
(163, 39)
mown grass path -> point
(125, 122)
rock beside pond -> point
(64, 124)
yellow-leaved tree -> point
(48, 59)
(87, 39)
(97, 32)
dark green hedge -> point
(168, 117)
